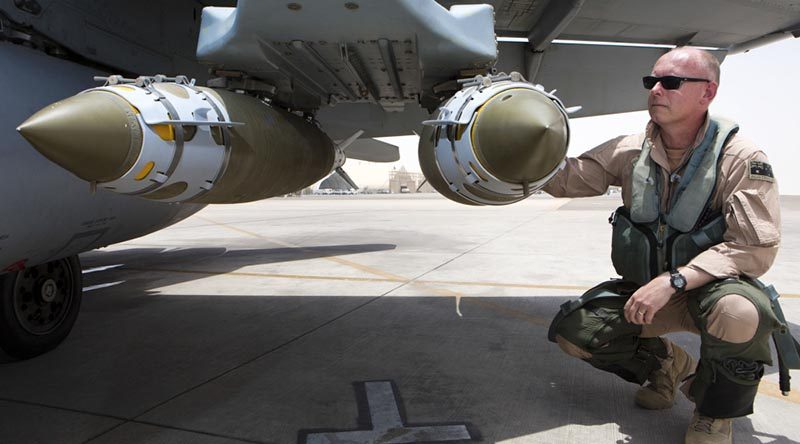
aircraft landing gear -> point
(39, 306)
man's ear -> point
(710, 92)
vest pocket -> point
(683, 247)
(631, 250)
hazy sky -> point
(758, 89)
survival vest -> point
(647, 241)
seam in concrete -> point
(258, 357)
(123, 421)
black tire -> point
(39, 306)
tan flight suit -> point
(746, 197)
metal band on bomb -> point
(495, 141)
(170, 115)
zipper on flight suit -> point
(665, 256)
(660, 238)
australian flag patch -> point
(761, 171)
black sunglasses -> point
(668, 82)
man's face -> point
(689, 101)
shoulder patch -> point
(760, 170)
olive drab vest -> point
(646, 241)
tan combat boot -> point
(660, 392)
(705, 430)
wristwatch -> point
(677, 280)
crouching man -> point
(700, 220)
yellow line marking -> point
(773, 389)
(361, 267)
(266, 275)
(508, 285)
(422, 284)
(510, 312)
(358, 279)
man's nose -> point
(657, 90)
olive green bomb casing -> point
(175, 142)
(495, 142)
(94, 135)
(519, 136)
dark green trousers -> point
(727, 377)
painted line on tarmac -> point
(398, 279)
(506, 284)
(361, 267)
(267, 275)
(101, 268)
(511, 312)
(421, 283)
(773, 390)
(101, 286)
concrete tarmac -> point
(364, 319)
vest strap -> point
(700, 177)
(694, 162)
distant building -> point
(335, 184)
(402, 181)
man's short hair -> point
(707, 61)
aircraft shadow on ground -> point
(198, 361)
(155, 257)
(162, 266)
(265, 368)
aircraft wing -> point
(713, 23)
(307, 64)
(374, 57)
(604, 79)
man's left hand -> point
(642, 307)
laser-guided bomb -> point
(168, 140)
(495, 142)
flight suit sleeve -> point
(752, 215)
(591, 173)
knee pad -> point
(593, 328)
(734, 318)
(602, 337)
(593, 319)
(726, 388)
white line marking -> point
(103, 268)
(99, 286)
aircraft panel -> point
(385, 45)
(718, 23)
(600, 79)
(123, 35)
(516, 17)
(47, 212)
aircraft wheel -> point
(39, 306)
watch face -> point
(678, 281)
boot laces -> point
(704, 424)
